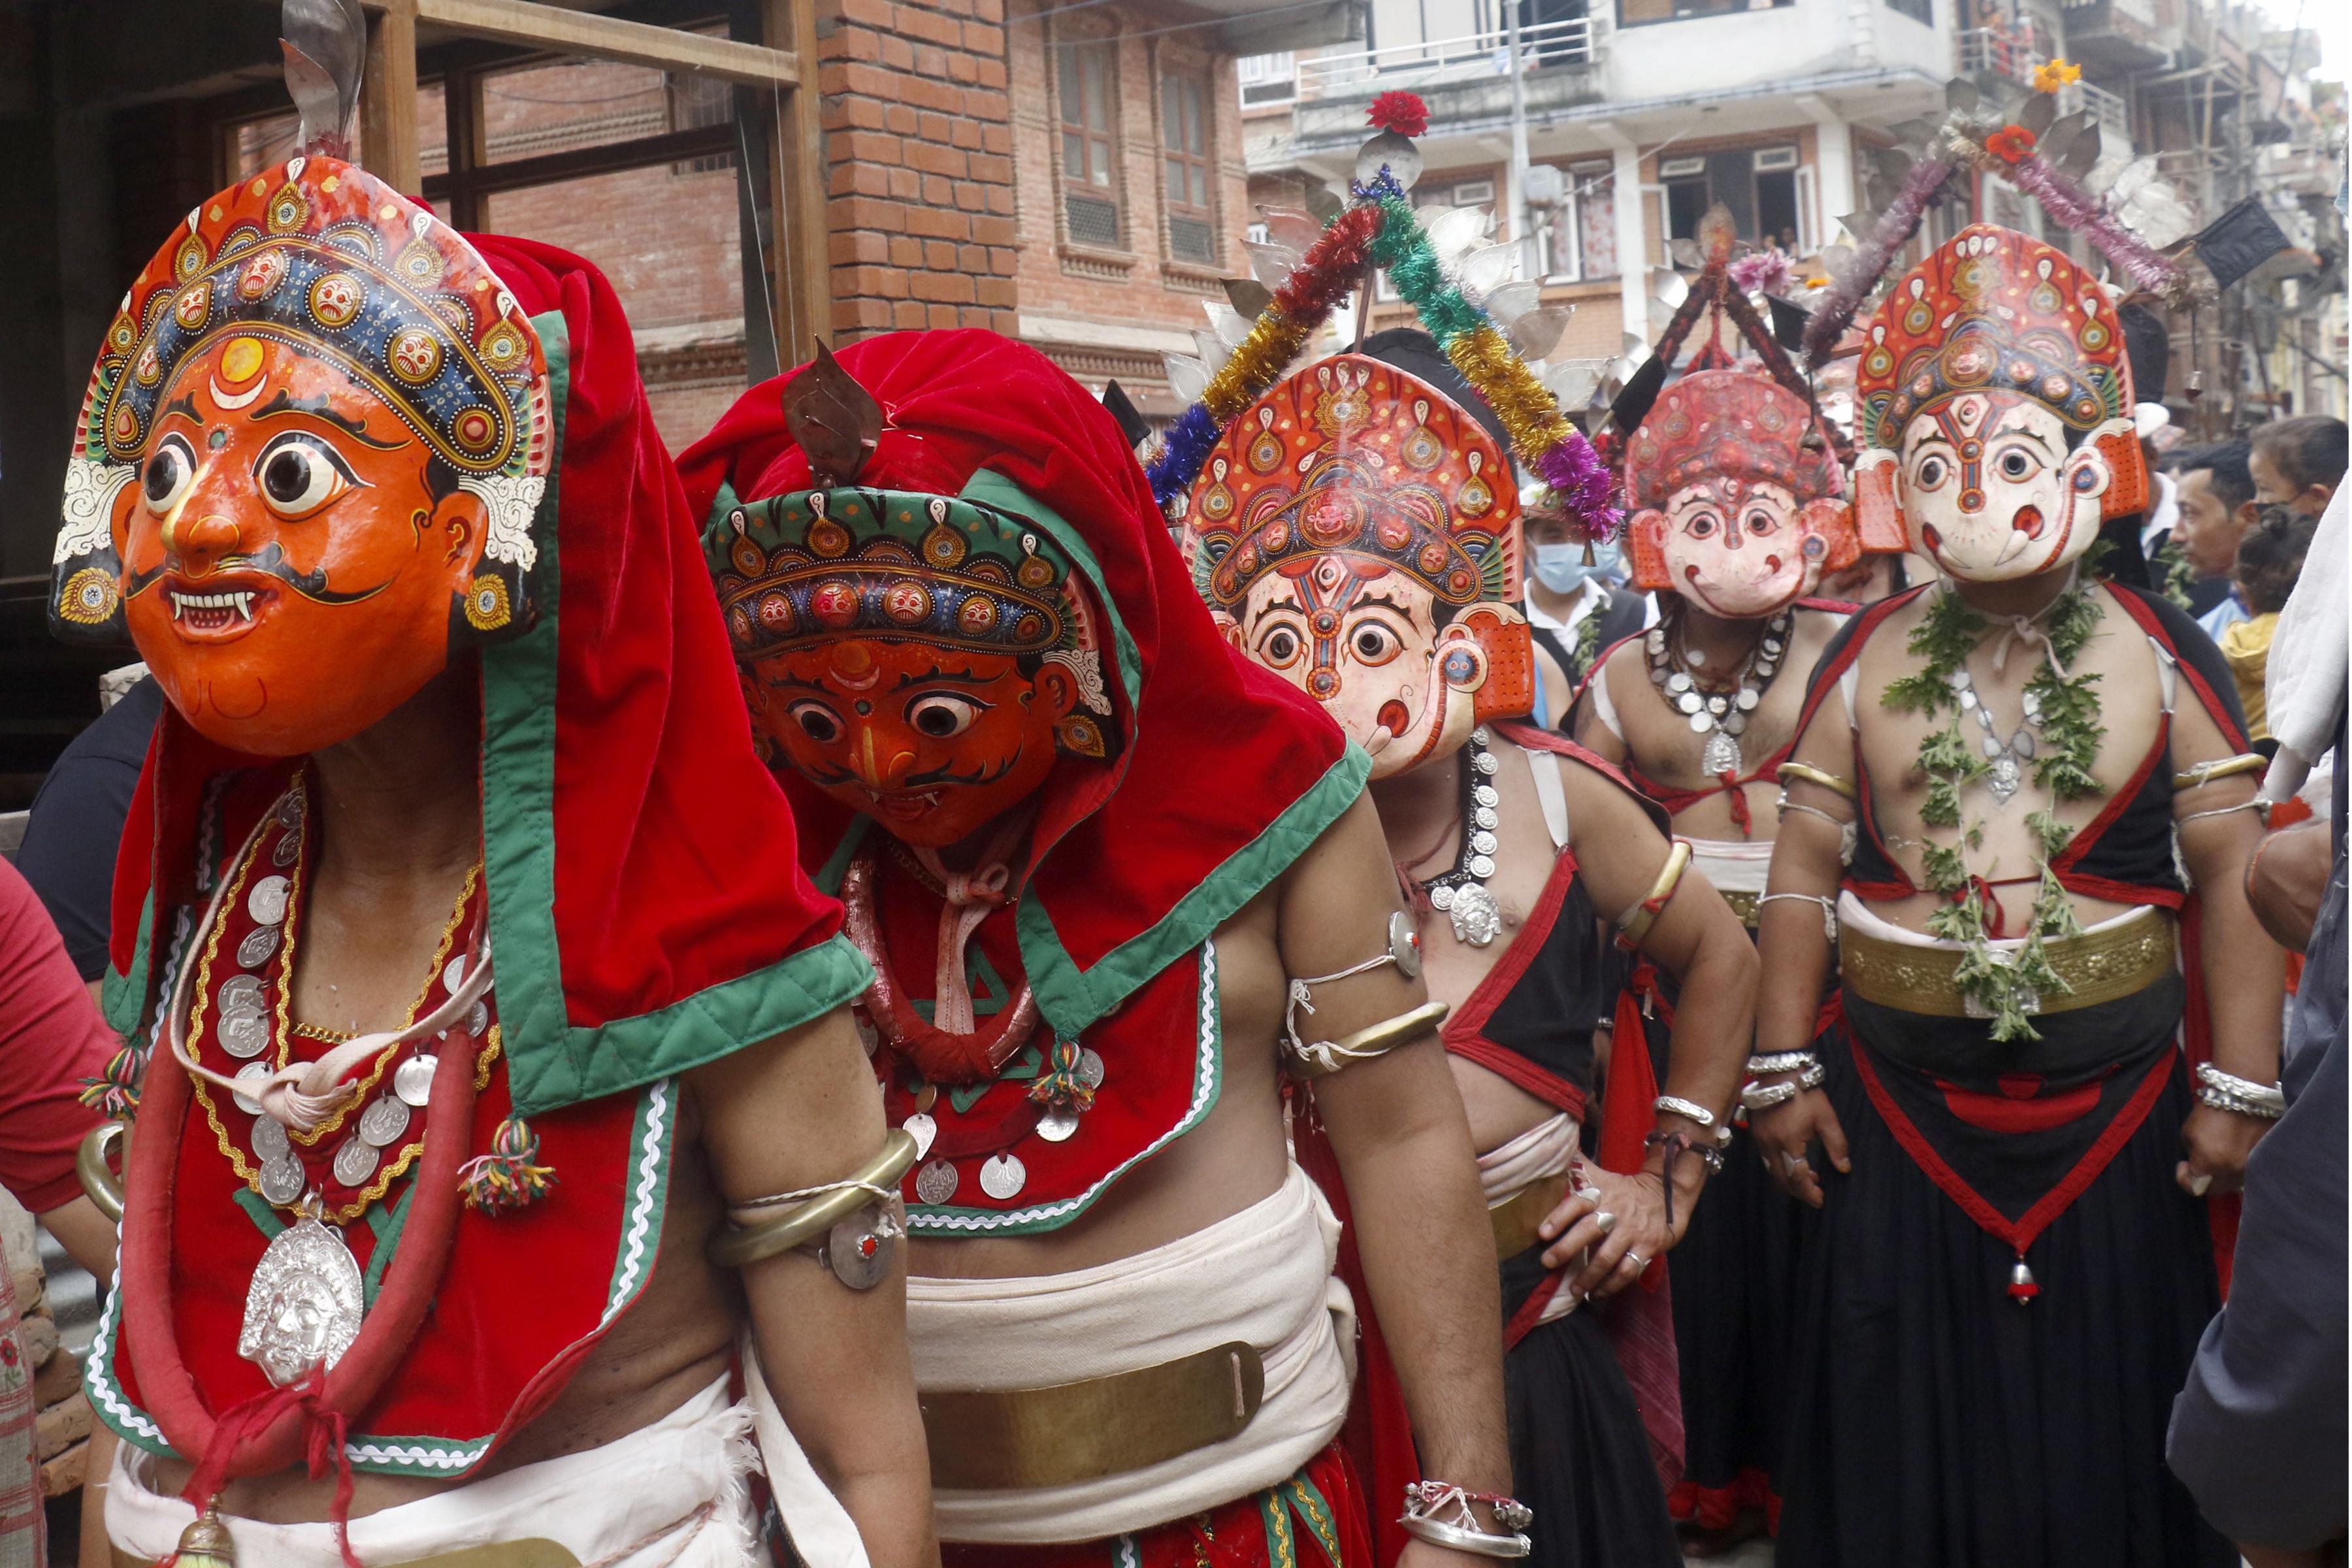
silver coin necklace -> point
(1461, 893)
(1721, 716)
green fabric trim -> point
(121, 997)
(1071, 999)
(387, 1224)
(1001, 493)
(836, 865)
(264, 1217)
(725, 501)
(551, 1062)
(128, 1421)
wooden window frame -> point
(1065, 51)
(1175, 72)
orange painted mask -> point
(923, 659)
(312, 454)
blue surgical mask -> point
(1561, 567)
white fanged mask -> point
(1741, 551)
(1990, 491)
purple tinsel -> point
(1893, 230)
(1581, 479)
(2086, 214)
(1182, 452)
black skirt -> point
(1580, 1456)
(1936, 1423)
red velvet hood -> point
(636, 932)
(1226, 774)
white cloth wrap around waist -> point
(1732, 865)
(1510, 1168)
(1262, 1276)
(671, 1495)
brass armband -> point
(1636, 924)
(1828, 781)
(1324, 1058)
(98, 1178)
(828, 1207)
(2204, 774)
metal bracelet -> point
(739, 1245)
(2204, 774)
(1812, 775)
(1462, 1533)
(2243, 1096)
(1780, 1061)
(103, 1187)
(1756, 1097)
(1324, 1058)
(1690, 1110)
(1636, 924)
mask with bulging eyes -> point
(1992, 491)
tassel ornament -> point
(510, 1176)
(114, 1092)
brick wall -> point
(918, 164)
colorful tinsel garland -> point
(1381, 228)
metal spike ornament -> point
(325, 45)
(1377, 229)
(835, 421)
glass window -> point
(1086, 79)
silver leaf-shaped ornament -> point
(2081, 153)
(1960, 95)
(1686, 253)
(1290, 226)
(1228, 323)
(1248, 297)
(1213, 353)
(1453, 232)
(1271, 264)
(1535, 334)
(1488, 266)
(1390, 151)
(1187, 377)
(1507, 302)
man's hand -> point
(2218, 1142)
(1783, 1134)
(1635, 1232)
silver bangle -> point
(2227, 1092)
(1756, 1097)
(1780, 1061)
(1461, 1533)
(1690, 1110)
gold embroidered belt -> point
(2100, 966)
(1516, 1217)
(535, 1553)
(1743, 904)
(1001, 1439)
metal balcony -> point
(1443, 61)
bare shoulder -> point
(1336, 897)
(800, 1107)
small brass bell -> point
(205, 1544)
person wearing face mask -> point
(2019, 803)
(1742, 511)
(1573, 606)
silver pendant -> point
(270, 1140)
(244, 1035)
(1441, 898)
(1690, 702)
(1748, 699)
(1485, 795)
(355, 1162)
(1485, 816)
(302, 1310)
(258, 944)
(240, 993)
(1485, 763)
(2004, 779)
(282, 1180)
(290, 808)
(477, 1019)
(1721, 756)
(1477, 918)
(936, 1182)
(266, 901)
(1089, 1071)
(922, 1128)
(1482, 867)
(859, 1249)
(1701, 722)
(383, 1122)
(455, 975)
(1002, 1176)
(413, 1079)
(288, 849)
(1404, 946)
(252, 1073)
(1484, 843)
(1056, 1126)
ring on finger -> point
(1605, 1221)
(1636, 1259)
(1791, 1162)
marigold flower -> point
(1403, 113)
(2054, 75)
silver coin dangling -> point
(244, 1035)
(1056, 1126)
(252, 1073)
(936, 1182)
(284, 854)
(258, 944)
(383, 1122)
(1089, 1071)
(355, 1162)
(266, 901)
(922, 1128)
(282, 1180)
(1002, 1176)
(413, 1079)
(240, 993)
(270, 1140)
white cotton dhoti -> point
(670, 1495)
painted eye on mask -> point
(1760, 522)
(1701, 527)
(2015, 464)
(942, 715)
(1931, 473)
(818, 721)
(1279, 649)
(171, 471)
(299, 473)
(1374, 644)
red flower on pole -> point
(2010, 143)
(1403, 113)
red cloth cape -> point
(1228, 772)
(637, 932)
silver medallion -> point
(1485, 816)
(282, 1180)
(477, 1019)
(266, 901)
(1058, 1124)
(258, 944)
(1748, 699)
(1486, 764)
(1482, 867)
(270, 1140)
(936, 1182)
(244, 1035)
(1404, 946)
(288, 846)
(859, 1249)
(1701, 722)
(1718, 706)
(1678, 683)
(1721, 756)
(455, 975)
(252, 1073)
(1477, 918)
(2004, 779)
(355, 1162)
(291, 807)
(413, 1079)
(1485, 795)
(1001, 1176)
(922, 1128)
(1479, 737)
(1441, 896)
(240, 993)
(1690, 702)
(1484, 843)
(302, 1310)
(383, 1122)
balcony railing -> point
(1437, 61)
(2015, 54)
